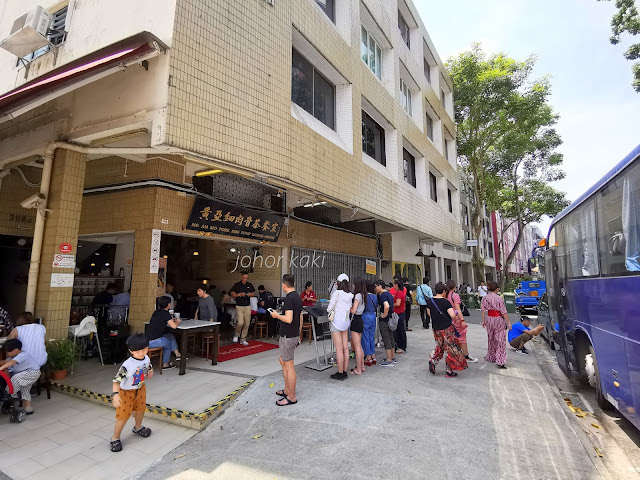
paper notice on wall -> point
(61, 280)
(371, 267)
(154, 264)
(61, 260)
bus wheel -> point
(593, 374)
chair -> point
(44, 378)
(86, 328)
(207, 340)
(192, 339)
(306, 327)
(156, 352)
(263, 327)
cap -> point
(343, 276)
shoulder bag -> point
(455, 331)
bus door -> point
(557, 315)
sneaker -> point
(386, 363)
(235, 339)
(471, 359)
(244, 343)
(394, 361)
(524, 350)
(451, 374)
(368, 363)
(336, 376)
(501, 366)
(171, 365)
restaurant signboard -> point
(216, 217)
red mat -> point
(235, 350)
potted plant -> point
(61, 356)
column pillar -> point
(53, 304)
(143, 283)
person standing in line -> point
(408, 301)
(497, 323)
(357, 323)
(399, 293)
(289, 333)
(206, 307)
(423, 294)
(458, 322)
(385, 301)
(369, 326)
(340, 305)
(242, 292)
(482, 291)
(442, 315)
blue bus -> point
(592, 269)
(528, 294)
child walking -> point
(130, 391)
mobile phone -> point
(271, 310)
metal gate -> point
(326, 268)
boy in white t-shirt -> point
(130, 391)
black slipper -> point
(116, 445)
(143, 431)
(289, 402)
(281, 393)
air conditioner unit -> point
(29, 33)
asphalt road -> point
(398, 422)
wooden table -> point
(188, 327)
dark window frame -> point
(450, 199)
(315, 74)
(427, 71)
(429, 127)
(406, 36)
(409, 167)
(368, 123)
(329, 8)
(433, 187)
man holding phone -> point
(242, 292)
(289, 335)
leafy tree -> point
(627, 20)
(506, 141)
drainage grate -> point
(578, 401)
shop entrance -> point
(15, 254)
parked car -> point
(528, 295)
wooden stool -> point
(191, 342)
(44, 379)
(207, 341)
(156, 352)
(264, 329)
(306, 327)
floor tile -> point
(71, 434)
(30, 436)
(68, 450)
(30, 450)
(65, 469)
(23, 469)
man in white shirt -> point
(482, 290)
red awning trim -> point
(120, 54)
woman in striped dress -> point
(497, 323)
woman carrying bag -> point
(496, 323)
(445, 334)
(339, 314)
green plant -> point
(61, 354)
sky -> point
(591, 80)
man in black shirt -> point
(289, 335)
(241, 292)
(160, 320)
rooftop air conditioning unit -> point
(29, 33)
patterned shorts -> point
(131, 401)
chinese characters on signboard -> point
(217, 217)
(371, 267)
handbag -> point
(465, 310)
(332, 315)
(393, 322)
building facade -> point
(328, 123)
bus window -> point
(580, 236)
(619, 224)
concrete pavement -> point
(394, 422)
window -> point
(328, 7)
(404, 30)
(446, 149)
(433, 186)
(405, 97)
(450, 200)
(618, 209)
(443, 98)
(409, 164)
(56, 34)
(429, 128)
(373, 139)
(311, 91)
(490, 245)
(427, 71)
(371, 53)
(579, 237)
(465, 214)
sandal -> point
(289, 402)
(143, 431)
(116, 445)
(281, 393)
(353, 370)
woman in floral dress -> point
(497, 323)
(444, 334)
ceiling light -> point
(93, 264)
(432, 255)
(106, 264)
(165, 256)
(233, 250)
(22, 242)
(97, 254)
(196, 253)
(420, 254)
(206, 173)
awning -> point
(78, 73)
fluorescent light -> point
(206, 173)
(314, 204)
(106, 264)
